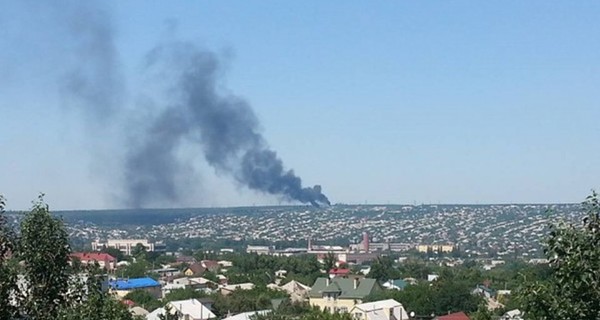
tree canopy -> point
(51, 288)
(572, 290)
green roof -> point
(345, 287)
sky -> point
(402, 102)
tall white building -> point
(127, 245)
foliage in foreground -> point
(50, 289)
(573, 289)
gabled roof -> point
(210, 264)
(196, 268)
(376, 305)
(345, 287)
(248, 315)
(192, 307)
(294, 286)
(186, 259)
(93, 256)
(380, 310)
(240, 286)
(454, 316)
(134, 283)
(339, 271)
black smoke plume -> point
(196, 113)
(224, 125)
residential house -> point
(281, 273)
(200, 283)
(225, 264)
(484, 291)
(104, 260)
(166, 272)
(190, 309)
(397, 284)
(298, 292)
(185, 259)
(432, 277)
(379, 310)
(339, 272)
(248, 315)
(222, 279)
(167, 288)
(515, 314)
(341, 294)
(138, 312)
(210, 265)
(195, 269)
(228, 289)
(122, 287)
(453, 316)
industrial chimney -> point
(365, 242)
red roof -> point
(93, 256)
(128, 302)
(210, 264)
(454, 316)
(339, 271)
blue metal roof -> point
(135, 283)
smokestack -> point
(365, 242)
(355, 283)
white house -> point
(191, 309)
(167, 288)
(225, 290)
(379, 310)
(247, 315)
(515, 314)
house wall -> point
(397, 312)
(334, 304)
(154, 291)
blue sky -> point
(395, 102)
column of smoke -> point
(222, 125)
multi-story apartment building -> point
(127, 245)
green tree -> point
(383, 269)
(168, 314)
(44, 249)
(572, 291)
(52, 289)
(311, 314)
(7, 273)
(136, 269)
(329, 261)
(481, 314)
(143, 298)
(139, 251)
(116, 253)
(89, 302)
(184, 294)
(258, 298)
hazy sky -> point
(390, 102)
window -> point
(357, 315)
(344, 309)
